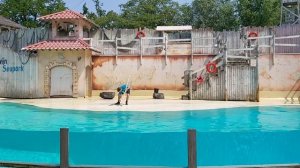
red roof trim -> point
(58, 45)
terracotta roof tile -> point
(66, 14)
(58, 45)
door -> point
(61, 81)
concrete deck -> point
(141, 104)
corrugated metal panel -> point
(20, 84)
(241, 82)
(129, 39)
(288, 30)
(203, 42)
(214, 89)
(18, 39)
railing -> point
(274, 44)
(292, 93)
(148, 46)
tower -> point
(290, 12)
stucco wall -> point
(154, 73)
(77, 57)
(282, 75)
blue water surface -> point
(235, 136)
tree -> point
(100, 12)
(108, 20)
(87, 13)
(216, 14)
(259, 12)
(26, 12)
(184, 16)
(149, 13)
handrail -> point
(292, 90)
(180, 40)
(287, 37)
(202, 68)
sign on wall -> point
(8, 68)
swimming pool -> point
(235, 136)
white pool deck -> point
(142, 104)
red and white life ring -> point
(253, 34)
(140, 34)
(211, 67)
(200, 79)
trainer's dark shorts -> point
(128, 92)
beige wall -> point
(80, 58)
(282, 75)
(154, 73)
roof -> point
(173, 28)
(66, 14)
(8, 23)
(58, 45)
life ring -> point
(211, 68)
(253, 34)
(200, 79)
(140, 34)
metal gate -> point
(241, 83)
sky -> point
(107, 4)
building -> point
(6, 24)
(64, 60)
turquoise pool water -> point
(235, 136)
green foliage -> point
(100, 12)
(184, 15)
(26, 12)
(149, 13)
(259, 12)
(216, 14)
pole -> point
(190, 85)
(64, 148)
(192, 149)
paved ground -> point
(141, 104)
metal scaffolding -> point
(290, 12)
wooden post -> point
(190, 85)
(141, 50)
(274, 48)
(64, 148)
(192, 46)
(166, 48)
(116, 41)
(192, 149)
(226, 74)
